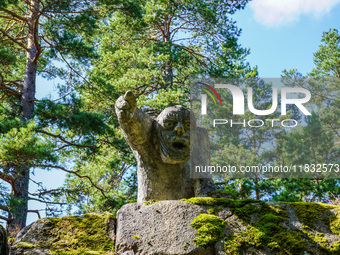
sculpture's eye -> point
(187, 125)
(169, 124)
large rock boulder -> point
(159, 228)
(3, 241)
(85, 234)
(201, 226)
(226, 226)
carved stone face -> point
(174, 134)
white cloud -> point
(277, 12)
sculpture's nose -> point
(179, 130)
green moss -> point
(321, 244)
(25, 245)
(136, 237)
(185, 246)
(237, 243)
(334, 248)
(79, 252)
(270, 219)
(152, 201)
(243, 209)
(264, 227)
(318, 240)
(307, 213)
(276, 237)
(214, 210)
(315, 238)
(225, 202)
(319, 237)
(244, 212)
(11, 240)
(264, 230)
(334, 222)
(73, 235)
(291, 242)
(209, 229)
(210, 201)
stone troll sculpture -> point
(162, 149)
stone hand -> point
(126, 105)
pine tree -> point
(32, 34)
(154, 51)
(318, 141)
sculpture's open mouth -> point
(179, 145)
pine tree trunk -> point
(168, 72)
(257, 195)
(18, 215)
(19, 210)
(257, 190)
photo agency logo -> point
(289, 97)
(264, 128)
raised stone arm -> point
(136, 124)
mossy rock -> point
(72, 235)
(307, 213)
(201, 226)
(209, 229)
(256, 227)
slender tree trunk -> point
(257, 190)
(18, 214)
(19, 210)
(168, 72)
(257, 195)
(240, 190)
(318, 189)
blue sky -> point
(281, 34)
(284, 34)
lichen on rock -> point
(200, 226)
(256, 227)
(71, 235)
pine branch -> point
(4, 218)
(78, 175)
(4, 208)
(35, 211)
(13, 39)
(36, 41)
(9, 179)
(46, 202)
(13, 14)
(65, 141)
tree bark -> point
(18, 212)
(28, 94)
(168, 72)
